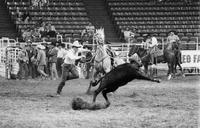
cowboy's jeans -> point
(23, 70)
(58, 66)
(69, 72)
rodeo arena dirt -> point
(99, 64)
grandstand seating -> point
(68, 16)
(160, 18)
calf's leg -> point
(104, 93)
(144, 77)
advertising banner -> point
(190, 58)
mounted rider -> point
(173, 41)
(151, 44)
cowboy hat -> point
(40, 47)
(76, 44)
(172, 31)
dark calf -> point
(118, 77)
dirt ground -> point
(140, 104)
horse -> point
(169, 56)
(102, 64)
(104, 61)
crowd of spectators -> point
(162, 1)
(40, 32)
(41, 61)
(38, 3)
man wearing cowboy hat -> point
(172, 37)
(41, 60)
(69, 68)
(173, 40)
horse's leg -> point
(169, 71)
(92, 81)
(173, 70)
(181, 69)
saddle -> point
(156, 52)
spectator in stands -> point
(127, 35)
(35, 3)
(41, 60)
(90, 28)
(26, 17)
(52, 60)
(85, 35)
(42, 29)
(36, 35)
(18, 15)
(39, 22)
(132, 35)
(60, 57)
(23, 61)
(51, 31)
(27, 34)
(90, 31)
(43, 3)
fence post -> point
(163, 44)
(197, 44)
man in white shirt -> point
(174, 42)
(69, 70)
(128, 34)
(152, 47)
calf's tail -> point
(96, 82)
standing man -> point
(69, 70)
(52, 60)
(31, 52)
(153, 43)
(60, 57)
(23, 64)
(128, 34)
(41, 60)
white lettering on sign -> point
(190, 58)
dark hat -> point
(61, 44)
(107, 42)
(53, 43)
(154, 34)
(172, 31)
